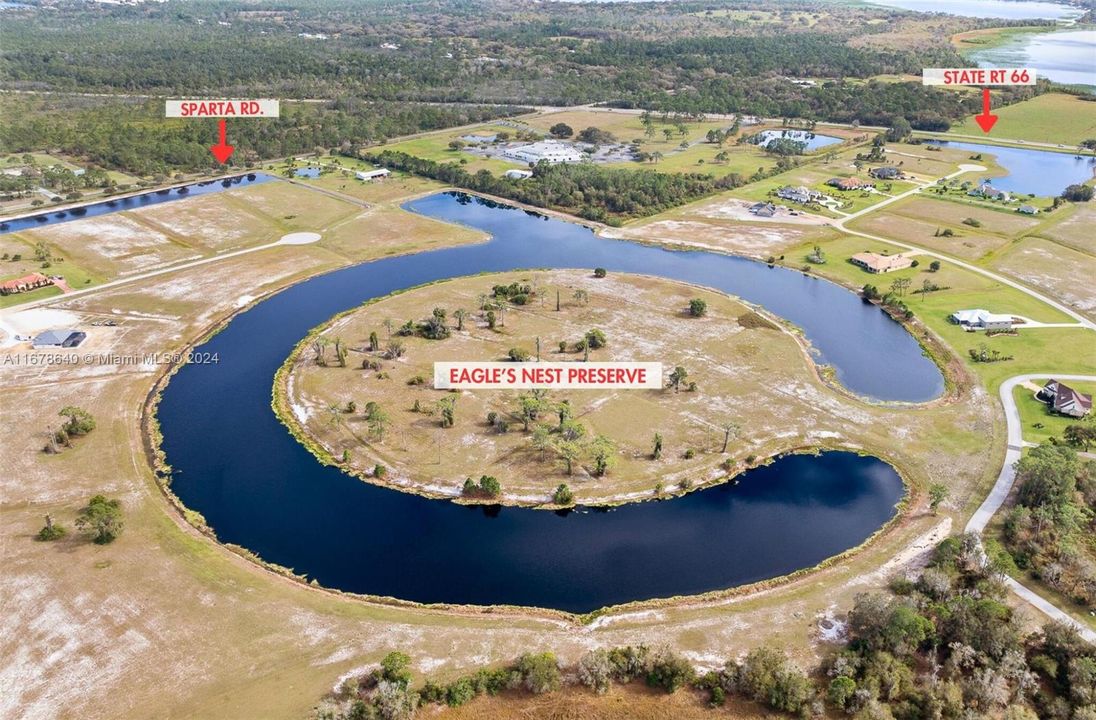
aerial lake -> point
(1040, 172)
(235, 463)
(1064, 56)
(1004, 9)
(812, 140)
(131, 202)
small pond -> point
(812, 141)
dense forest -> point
(1050, 531)
(480, 51)
(584, 189)
(132, 136)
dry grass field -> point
(1074, 229)
(1064, 274)
(967, 242)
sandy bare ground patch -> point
(1064, 273)
(736, 368)
(112, 245)
(753, 239)
(732, 209)
(212, 222)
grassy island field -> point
(755, 388)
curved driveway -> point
(996, 498)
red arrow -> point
(223, 151)
(986, 119)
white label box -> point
(222, 108)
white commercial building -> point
(550, 151)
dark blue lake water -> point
(258, 487)
(132, 202)
(1038, 172)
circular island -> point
(738, 388)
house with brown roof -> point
(849, 183)
(1064, 400)
(877, 263)
(24, 284)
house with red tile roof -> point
(24, 284)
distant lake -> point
(1005, 9)
(1040, 172)
(813, 140)
(1067, 56)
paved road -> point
(999, 493)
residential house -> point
(849, 183)
(370, 175)
(799, 194)
(519, 174)
(763, 209)
(990, 193)
(980, 319)
(886, 172)
(24, 284)
(67, 338)
(877, 263)
(1064, 400)
(1028, 209)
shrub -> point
(563, 495)
(459, 692)
(1078, 193)
(595, 670)
(51, 531)
(596, 339)
(539, 672)
(518, 355)
(669, 671)
(600, 272)
(379, 471)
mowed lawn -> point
(1062, 350)
(1038, 422)
(1050, 118)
